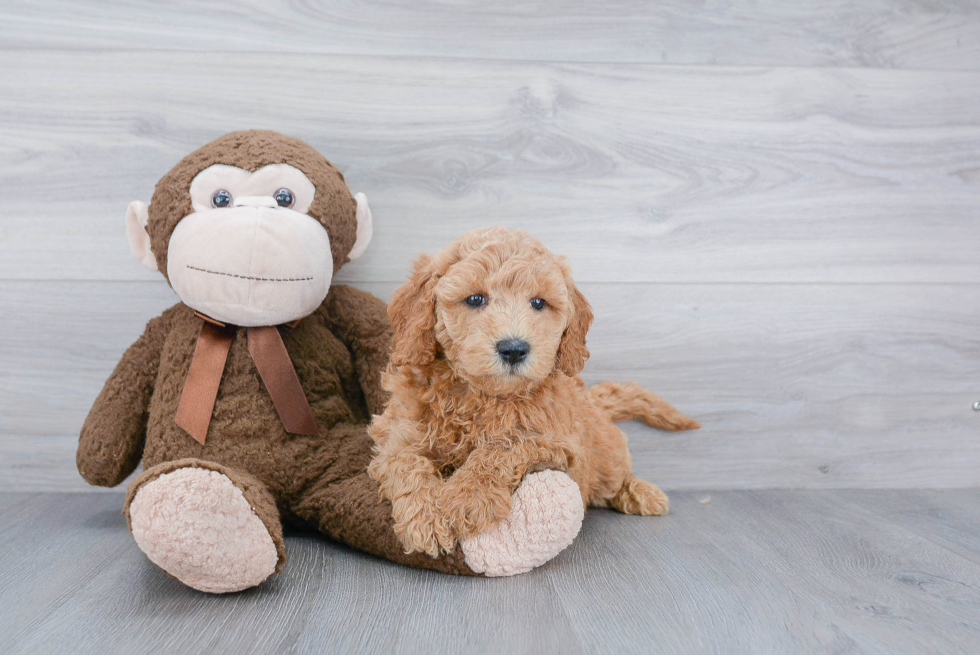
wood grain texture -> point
(796, 385)
(778, 229)
(946, 519)
(750, 571)
(637, 173)
(879, 33)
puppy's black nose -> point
(513, 351)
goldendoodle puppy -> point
(489, 339)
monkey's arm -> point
(111, 441)
(360, 321)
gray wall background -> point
(774, 208)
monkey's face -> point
(249, 254)
(245, 238)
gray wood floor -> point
(746, 572)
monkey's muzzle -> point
(251, 264)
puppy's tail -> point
(626, 400)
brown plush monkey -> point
(248, 401)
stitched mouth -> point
(250, 277)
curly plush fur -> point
(463, 426)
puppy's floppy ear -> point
(413, 317)
(572, 352)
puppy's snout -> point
(513, 351)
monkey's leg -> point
(345, 504)
(214, 528)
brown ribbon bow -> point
(275, 368)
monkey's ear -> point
(365, 230)
(137, 216)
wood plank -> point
(759, 571)
(328, 597)
(767, 572)
(947, 517)
(883, 33)
(797, 385)
(638, 173)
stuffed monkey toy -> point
(248, 401)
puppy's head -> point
(499, 306)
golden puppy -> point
(489, 339)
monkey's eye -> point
(284, 198)
(221, 198)
(538, 303)
(476, 300)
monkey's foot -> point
(196, 525)
(546, 513)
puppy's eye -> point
(538, 303)
(284, 198)
(221, 198)
(476, 300)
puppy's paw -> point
(472, 510)
(420, 529)
(640, 497)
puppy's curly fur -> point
(464, 425)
